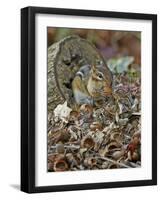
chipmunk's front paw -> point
(82, 98)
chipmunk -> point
(92, 84)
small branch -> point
(134, 165)
(136, 113)
(114, 162)
(72, 146)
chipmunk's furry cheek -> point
(107, 91)
(95, 87)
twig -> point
(72, 146)
(114, 162)
(136, 113)
(127, 136)
(134, 165)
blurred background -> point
(111, 44)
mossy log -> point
(64, 60)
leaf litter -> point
(106, 137)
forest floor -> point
(104, 137)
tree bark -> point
(64, 60)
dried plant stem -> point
(72, 146)
(136, 113)
(114, 162)
(134, 165)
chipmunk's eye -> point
(100, 76)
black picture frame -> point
(28, 98)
